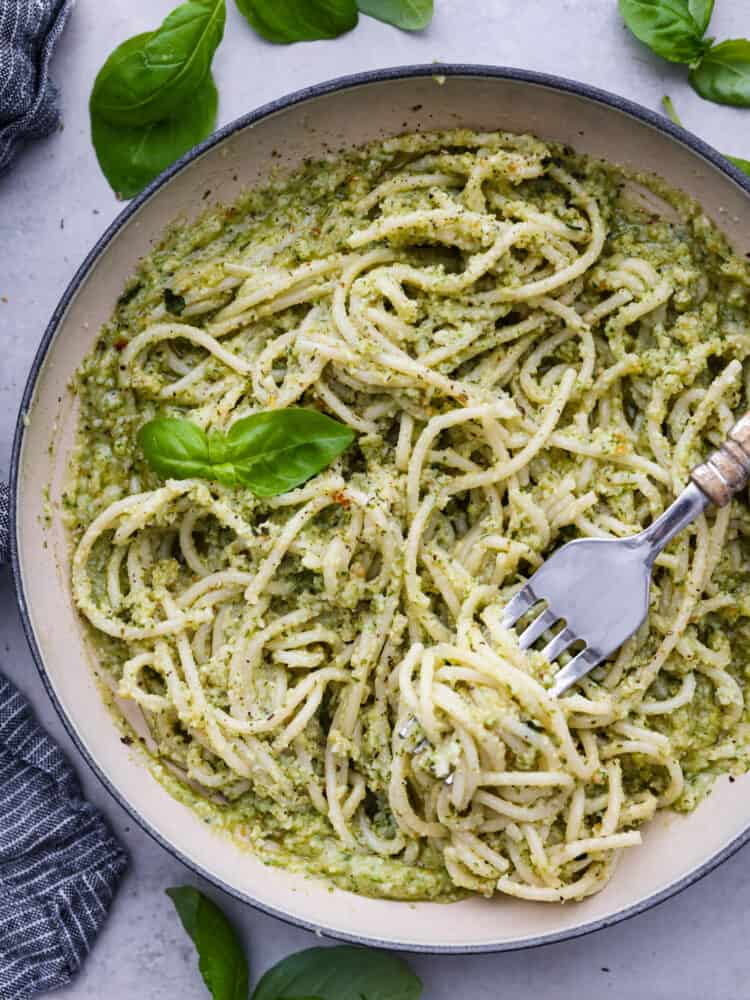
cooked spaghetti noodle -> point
(527, 353)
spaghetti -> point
(527, 354)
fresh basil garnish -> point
(154, 98)
(673, 29)
(131, 156)
(221, 957)
(723, 74)
(152, 76)
(176, 449)
(410, 15)
(269, 452)
(285, 21)
(341, 973)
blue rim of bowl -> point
(543, 80)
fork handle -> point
(727, 471)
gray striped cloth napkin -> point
(29, 30)
(4, 521)
(59, 863)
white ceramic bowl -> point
(345, 112)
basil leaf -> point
(701, 11)
(342, 973)
(411, 15)
(131, 156)
(221, 958)
(668, 27)
(152, 76)
(269, 452)
(723, 75)
(743, 165)
(274, 451)
(285, 21)
(176, 449)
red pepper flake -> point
(341, 499)
(120, 345)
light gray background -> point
(53, 206)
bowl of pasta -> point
(309, 414)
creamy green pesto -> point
(529, 351)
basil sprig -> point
(287, 21)
(221, 958)
(154, 98)
(723, 74)
(342, 973)
(268, 453)
(673, 29)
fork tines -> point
(579, 665)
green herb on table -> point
(154, 98)
(152, 75)
(268, 453)
(341, 973)
(409, 15)
(671, 111)
(132, 156)
(287, 21)
(675, 30)
(221, 958)
(723, 74)
(743, 165)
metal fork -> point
(599, 587)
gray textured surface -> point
(55, 204)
